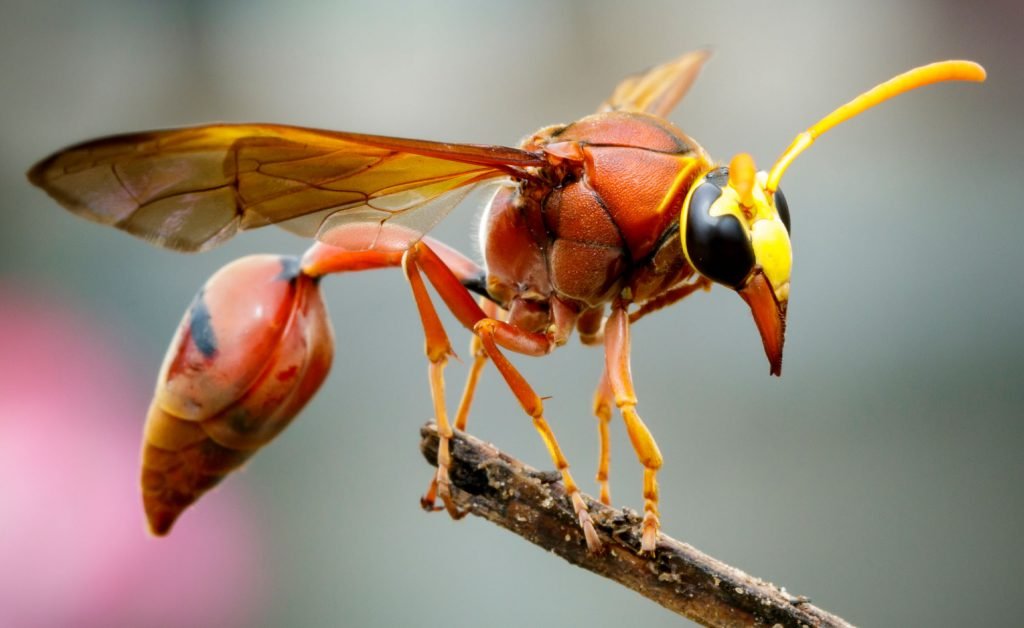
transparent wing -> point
(190, 189)
(658, 90)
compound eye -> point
(717, 246)
(782, 207)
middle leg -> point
(491, 332)
(618, 371)
(603, 400)
(476, 349)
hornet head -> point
(735, 224)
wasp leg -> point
(617, 368)
(438, 348)
(590, 326)
(603, 400)
(446, 269)
(491, 332)
(476, 349)
(323, 259)
(462, 414)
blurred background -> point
(880, 476)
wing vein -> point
(190, 189)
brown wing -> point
(658, 90)
(190, 189)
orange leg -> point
(462, 414)
(458, 299)
(476, 349)
(438, 348)
(603, 400)
(590, 326)
(617, 369)
(446, 268)
(492, 333)
(490, 330)
(472, 379)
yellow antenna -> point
(912, 79)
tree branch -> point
(533, 504)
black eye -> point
(717, 246)
(782, 207)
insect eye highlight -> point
(782, 207)
(718, 247)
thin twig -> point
(531, 503)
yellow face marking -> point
(768, 236)
(774, 254)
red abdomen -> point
(615, 186)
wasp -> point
(594, 225)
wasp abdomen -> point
(252, 349)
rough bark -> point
(533, 504)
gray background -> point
(880, 476)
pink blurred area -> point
(74, 550)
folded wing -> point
(190, 189)
(658, 90)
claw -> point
(429, 505)
(440, 488)
(649, 537)
(594, 543)
(429, 500)
(444, 491)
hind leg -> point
(492, 333)
(472, 379)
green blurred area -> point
(879, 476)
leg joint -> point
(485, 326)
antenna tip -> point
(979, 72)
(960, 70)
